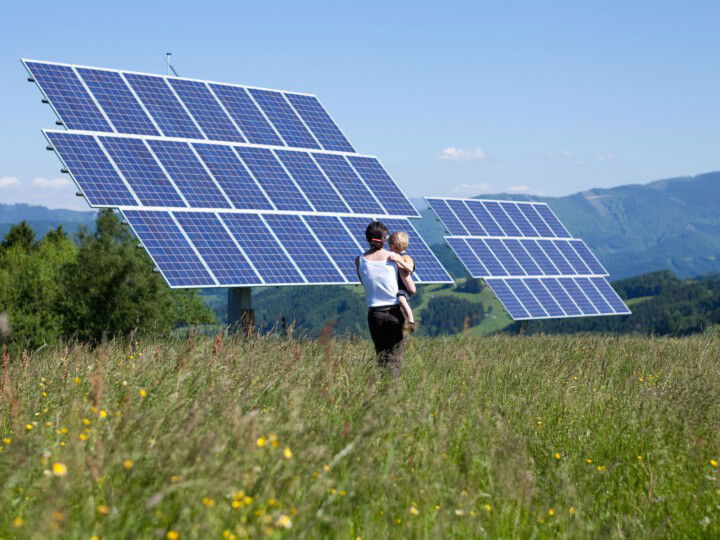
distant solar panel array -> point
(528, 258)
(225, 185)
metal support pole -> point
(241, 316)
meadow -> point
(504, 436)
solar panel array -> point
(528, 258)
(224, 185)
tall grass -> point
(494, 437)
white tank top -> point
(380, 279)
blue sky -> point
(455, 98)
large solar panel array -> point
(225, 185)
(528, 258)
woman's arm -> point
(357, 268)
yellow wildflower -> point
(29, 427)
(414, 511)
(284, 521)
(714, 462)
(143, 393)
(272, 502)
(588, 460)
(572, 510)
(83, 436)
(287, 453)
(103, 413)
(262, 441)
(18, 522)
(59, 469)
(172, 535)
(207, 501)
(128, 464)
(487, 507)
(326, 468)
(7, 440)
(558, 455)
(600, 468)
(551, 512)
(76, 380)
(236, 503)
(102, 509)
(86, 421)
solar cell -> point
(141, 171)
(91, 169)
(539, 257)
(284, 119)
(552, 221)
(466, 217)
(117, 101)
(507, 298)
(305, 250)
(232, 176)
(164, 107)
(502, 219)
(593, 295)
(545, 298)
(522, 257)
(572, 257)
(246, 114)
(578, 296)
(526, 298)
(188, 173)
(486, 257)
(505, 257)
(467, 256)
(318, 120)
(68, 96)
(447, 217)
(341, 247)
(352, 189)
(534, 218)
(561, 297)
(217, 248)
(588, 258)
(382, 186)
(519, 219)
(169, 249)
(206, 110)
(312, 181)
(556, 257)
(483, 216)
(611, 297)
(266, 169)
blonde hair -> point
(399, 240)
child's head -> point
(398, 241)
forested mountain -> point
(43, 219)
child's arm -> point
(402, 265)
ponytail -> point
(375, 234)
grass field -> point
(493, 437)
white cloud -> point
(457, 154)
(605, 157)
(52, 183)
(474, 189)
(7, 181)
(523, 190)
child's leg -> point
(407, 310)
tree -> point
(20, 235)
(111, 288)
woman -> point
(378, 272)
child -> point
(398, 243)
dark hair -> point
(376, 233)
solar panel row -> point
(105, 100)
(528, 258)
(473, 217)
(490, 257)
(211, 249)
(543, 298)
(120, 171)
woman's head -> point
(376, 234)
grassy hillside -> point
(499, 437)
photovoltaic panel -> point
(535, 274)
(261, 247)
(447, 216)
(206, 110)
(348, 184)
(118, 102)
(188, 173)
(319, 122)
(91, 169)
(341, 247)
(383, 186)
(68, 96)
(141, 171)
(519, 219)
(484, 217)
(217, 248)
(284, 118)
(312, 181)
(164, 107)
(246, 114)
(462, 212)
(303, 248)
(233, 177)
(266, 169)
(169, 249)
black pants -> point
(386, 330)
